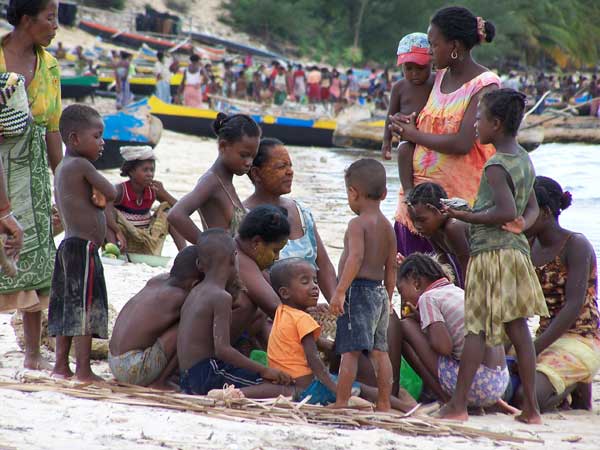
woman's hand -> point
(403, 127)
(13, 245)
(516, 226)
(158, 188)
(400, 258)
(455, 213)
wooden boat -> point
(368, 134)
(78, 87)
(142, 86)
(134, 125)
(135, 40)
(291, 130)
(234, 47)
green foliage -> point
(180, 6)
(528, 31)
(105, 4)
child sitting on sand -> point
(502, 289)
(293, 342)
(408, 97)
(448, 237)
(132, 226)
(206, 358)
(367, 269)
(144, 340)
(214, 195)
(78, 300)
(434, 336)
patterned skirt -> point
(501, 286)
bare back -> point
(73, 193)
(379, 243)
(147, 315)
(203, 308)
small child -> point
(214, 195)
(434, 337)
(293, 342)
(206, 358)
(502, 289)
(361, 301)
(144, 340)
(408, 97)
(78, 300)
(132, 226)
(448, 237)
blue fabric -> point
(364, 324)
(321, 394)
(212, 373)
(306, 246)
(163, 90)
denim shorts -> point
(363, 326)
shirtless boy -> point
(409, 96)
(206, 358)
(367, 264)
(143, 344)
(78, 300)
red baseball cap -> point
(414, 48)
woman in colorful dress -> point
(567, 343)
(447, 150)
(191, 85)
(26, 160)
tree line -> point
(540, 33)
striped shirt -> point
(444, 302)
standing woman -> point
(447, 150)
(26, 160)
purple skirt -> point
(408, 242)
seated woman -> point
(131, 224)
(568, 342)
(272, 176)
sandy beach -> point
(52, 420)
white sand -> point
(51, 420)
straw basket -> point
(14, 105)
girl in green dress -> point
(501, 289)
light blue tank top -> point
(306, 246)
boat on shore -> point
(291, 129)
(78, 87)
(142, 86)
(132, 126)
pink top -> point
(444, 302)
(459, 175)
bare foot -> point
(36, 363)
(337, 405)
(62, 373)
(502, 407)
(383, 407)
(529, 418)
(89, 377)
(450, 412)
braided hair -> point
(458, 23)
(418, 265)
(233, 128)
(551, 196)
(508, 106)
(427, 194)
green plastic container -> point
(260, 357)
(409, 380)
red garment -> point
(136, 212)
(314, 91)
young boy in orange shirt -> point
(293, 343)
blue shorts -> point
(214, 374)
(321, 394)
(364, 324)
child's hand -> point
(121, 241)
(400, 258)
(516, 226)
(336, 306)
(386, 151)
(157, 187)
(277, 376)
(98, 199)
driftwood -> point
(280, 410)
